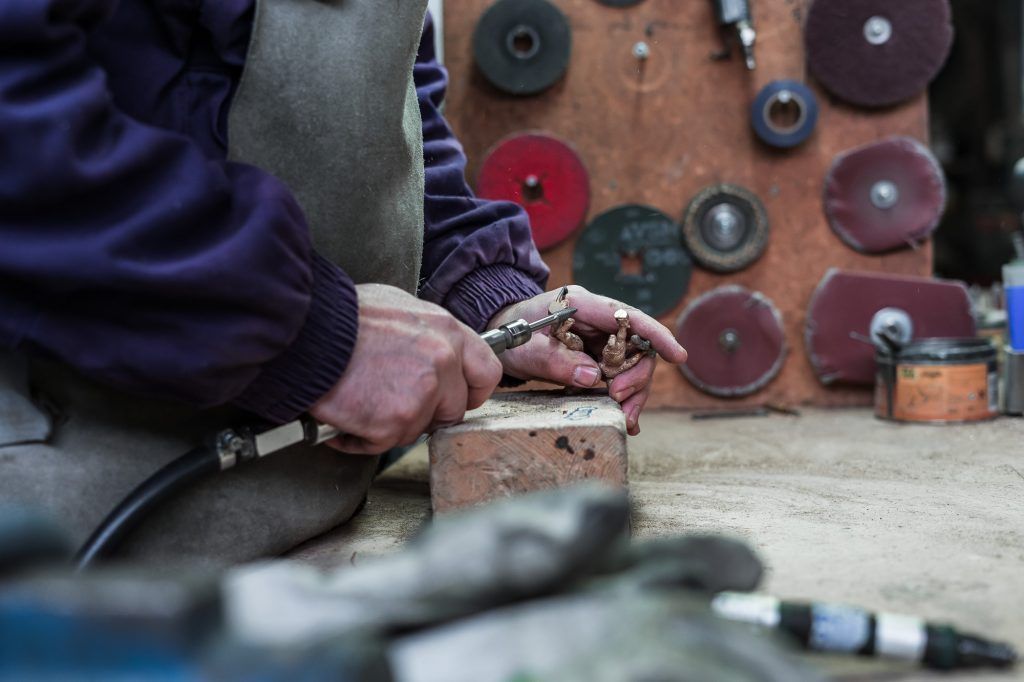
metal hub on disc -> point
(633, 253)
(543, 175)
(522, 46)
(725, 228)
(735, 340)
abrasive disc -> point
(784, 113)
(543, 175)
(839, 319)
(735, 341)
(634, 254)
(877, 52)
(522, 46)
(885, 195)
(725, 227)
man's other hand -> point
(414, 369)
(547, 359)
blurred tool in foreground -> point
(849, 630)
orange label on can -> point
(943, 393)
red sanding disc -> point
(877, 52)
(839, 319)
(885, 195)
(735, 341)
(543, 175)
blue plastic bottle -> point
(1013, 282)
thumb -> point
(547, 359)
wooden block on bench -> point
(520, 442)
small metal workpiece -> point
(736, 14)
(561, 332)
(641, 50)
(615, 358)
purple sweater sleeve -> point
(128, 254)
(478, 255)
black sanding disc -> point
(522, 46)
(634, 254)
(877, 52)
(725, 228)
(735, 341)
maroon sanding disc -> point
(735, 341)
(885, 195)
(877, 52)
(543, 175)
(838, 329)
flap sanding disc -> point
(522, 46)
(876, 53)
(839, 320)
(634, 254)
(543, 175)
(725, 228)
(735, 341)
(885, 195)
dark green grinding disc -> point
(634, 254)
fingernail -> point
(584, 376)
(634, 416)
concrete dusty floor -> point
(925, 520)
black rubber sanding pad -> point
(885, 195)
(725, 228)
(522, 46)
(735, 341)
(634, 254)
(838, 329)
(876, 53)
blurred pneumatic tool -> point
(836, 628)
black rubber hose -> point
(167, 482)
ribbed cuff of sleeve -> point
(292, 382)
(478, 296)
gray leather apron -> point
(327, 103)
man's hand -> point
(547, 359)
(414, 369)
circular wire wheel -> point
(725, 228)
(522, 46)
(546, 177)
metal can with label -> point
(938, 381)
